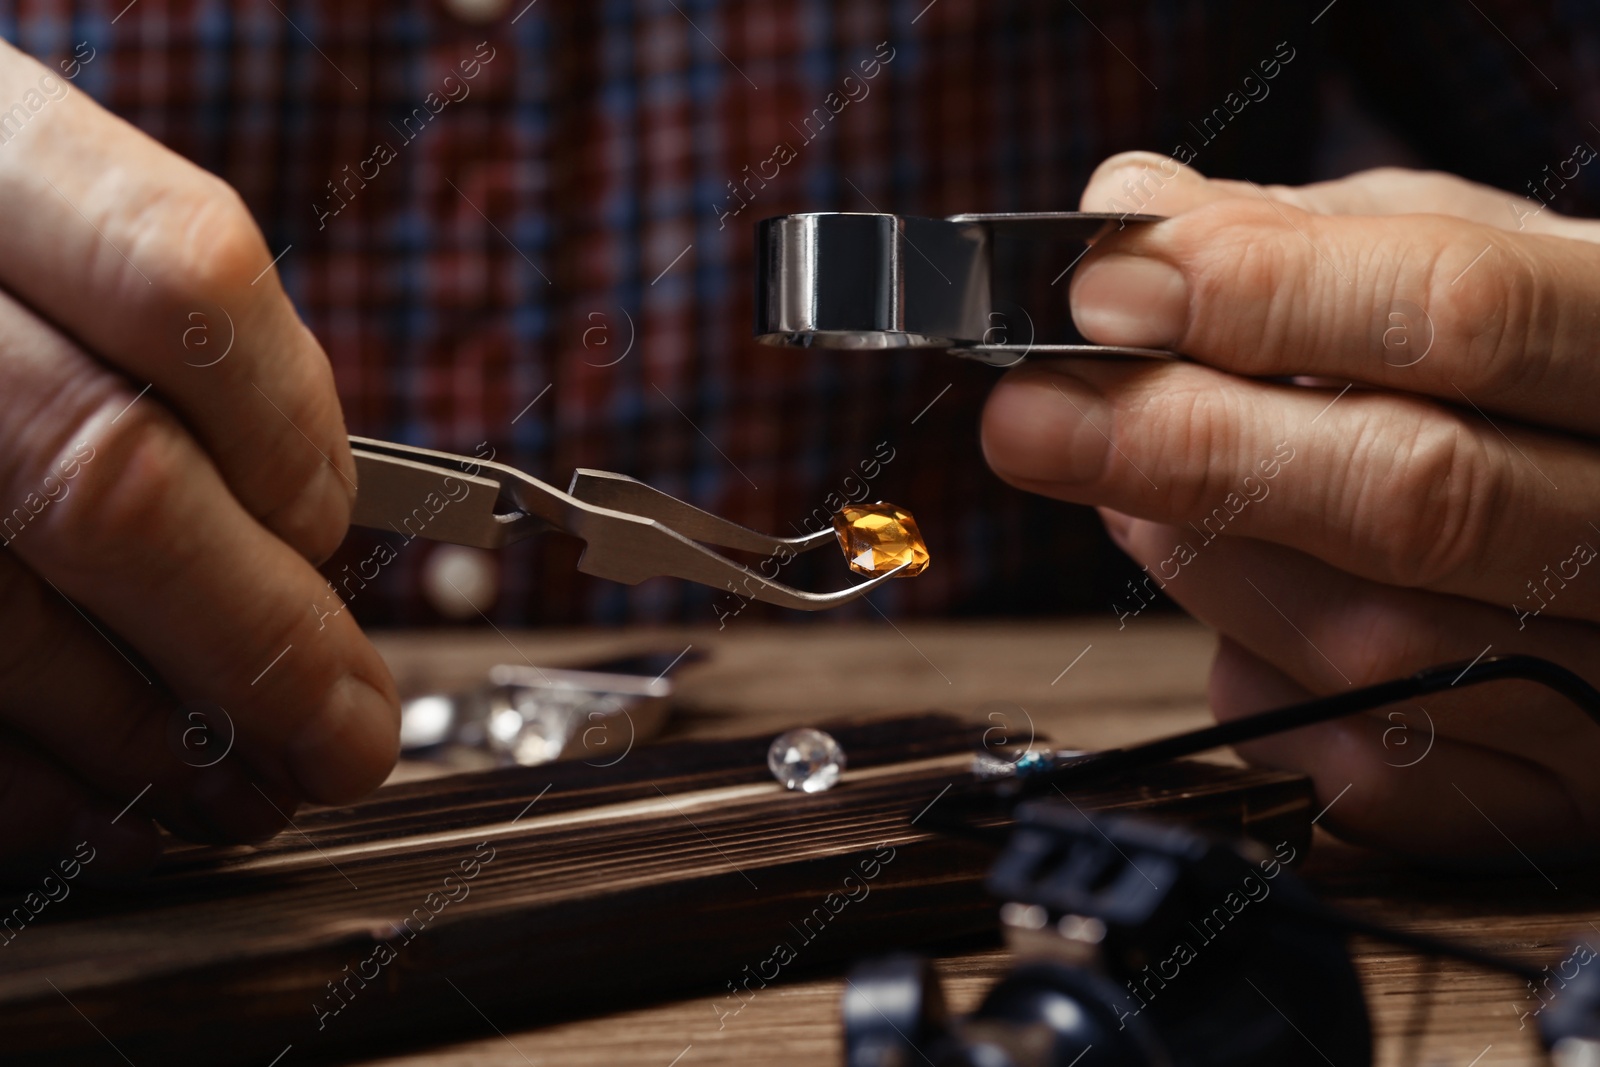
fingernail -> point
(1118, 525)
(1126, 182)
(343, 470)
(112, 846)
(347, 749)
(1124, 299)
(316, 519)
(338, 484)
(1046, 426)
(327, 506)
(228, 802)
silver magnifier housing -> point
(852, 280)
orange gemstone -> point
(877, 538)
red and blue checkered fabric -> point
(537, 231)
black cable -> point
(985, 797)
(1077, 770)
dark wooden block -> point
(683, 869)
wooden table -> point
(1084, 684)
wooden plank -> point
(684, 867)
(1138, 681)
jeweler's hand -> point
(172, 462)
(1444, 506)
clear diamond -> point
(806, 759)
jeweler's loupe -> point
(852, 280)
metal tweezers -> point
(631, 531)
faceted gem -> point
(805, 759)
(877, 538)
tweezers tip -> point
(861, 589)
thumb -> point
(1149, 183)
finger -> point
(1330, 631)
(1325, 631)
(100, 715)
(1461, 802)
(53, 826)
(1388, 487)
(156, 266)
(1148, 183)
(1419, 303)
(120, 509)
(1153, 184)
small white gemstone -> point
(505, 727)
(806, 759)
(426, 721)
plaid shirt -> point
(536, 231)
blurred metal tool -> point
(870, 281)
(631, 532)
(530, 715)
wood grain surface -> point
(1085, 684)
(1131, 683)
